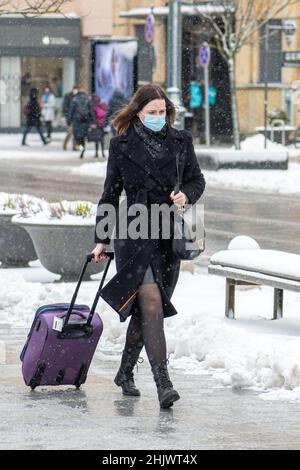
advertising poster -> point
(115, 69)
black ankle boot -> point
(124, 377)
(166, 393)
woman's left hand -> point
(179, 199)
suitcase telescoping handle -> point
(89, 257)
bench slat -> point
(254, 277)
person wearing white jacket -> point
(48, 110)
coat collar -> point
(128, 135)
(134, 150)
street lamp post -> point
(174, 59)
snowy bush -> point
(23, 203)
(77, 208)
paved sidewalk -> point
(98, 417)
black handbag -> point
(189, 233)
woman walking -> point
(81, 117)
(142, 160)
(32, 111)
(99, 108)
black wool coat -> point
(78, 103)
(131, 167)
(33, 116)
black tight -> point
(146, 326)
(102, 147)
(48, 128)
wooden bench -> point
(255, 267)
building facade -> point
(48, 50)
(60, 50)
(284, 82)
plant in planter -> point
(62, 234)
(16, 247)
(277, 114)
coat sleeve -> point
(193, 181)
(113, 187)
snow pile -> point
(12, 149)
(274, 181)
(251, 352)
(62, 213)
(243, 242)
(257, 142)
(270, 262)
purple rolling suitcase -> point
(62, 340)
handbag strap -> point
(179, 171)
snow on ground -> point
(257, 142)
(91, 169)
(251, 352)
(272, 181)
(11, 148)
(279, 181)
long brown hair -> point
(142, 96)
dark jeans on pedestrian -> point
(28, 129)
(97, 147)
(49, 128)
(81, 142)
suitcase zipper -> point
(43, 310)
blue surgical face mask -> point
(155, 123)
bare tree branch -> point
(238, 24)
(31, 7)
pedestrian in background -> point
(99, 108)
(116, 103)
(48, 110)
(196, 106)
(81, 117)
(32, 111)
(68, 98)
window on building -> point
(57, 72)
(275, 54)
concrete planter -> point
(210, 159)
(16, 247)
(62, 248)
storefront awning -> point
(186, 10)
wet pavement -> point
(99, 417)
(272, 219)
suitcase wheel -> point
(81, 376)
(37, 378)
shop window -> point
(10, 79)
(58, 73)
